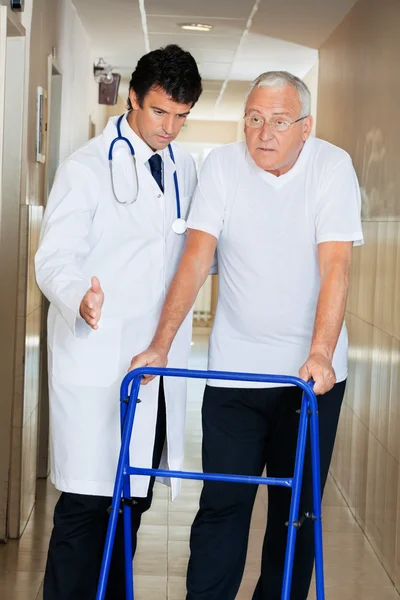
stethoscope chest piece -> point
(179, 226)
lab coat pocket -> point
(92, 361)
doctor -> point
(111, 240)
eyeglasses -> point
(275, 124)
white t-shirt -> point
(268, 229)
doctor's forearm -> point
(330, 311)
(64, 288)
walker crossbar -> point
(308, 415)
(209, 476)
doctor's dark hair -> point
(170, 68)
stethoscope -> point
(179, 225)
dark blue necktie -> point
(156, 170)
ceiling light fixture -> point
(196, 26)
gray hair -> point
(282, 79)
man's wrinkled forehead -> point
(283, 100)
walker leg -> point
(109, 544)
(295, 500)
(127, 522)
(316, 479)
(128, 543)
(123, 463)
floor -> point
(352, 570)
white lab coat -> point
(134, 253)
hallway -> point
(52, 101)
(352, 570)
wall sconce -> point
(17, 5)
(102, 72)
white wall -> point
(64, 31)
(79, 96)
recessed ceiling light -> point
(196, 26)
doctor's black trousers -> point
(78, 537)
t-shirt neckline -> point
(280, 181)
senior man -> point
(284, 209)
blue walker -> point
(308, 415)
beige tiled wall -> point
(359, 87)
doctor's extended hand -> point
(91, 305)
(319, 368)
(152, 357)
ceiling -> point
(248, 38)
